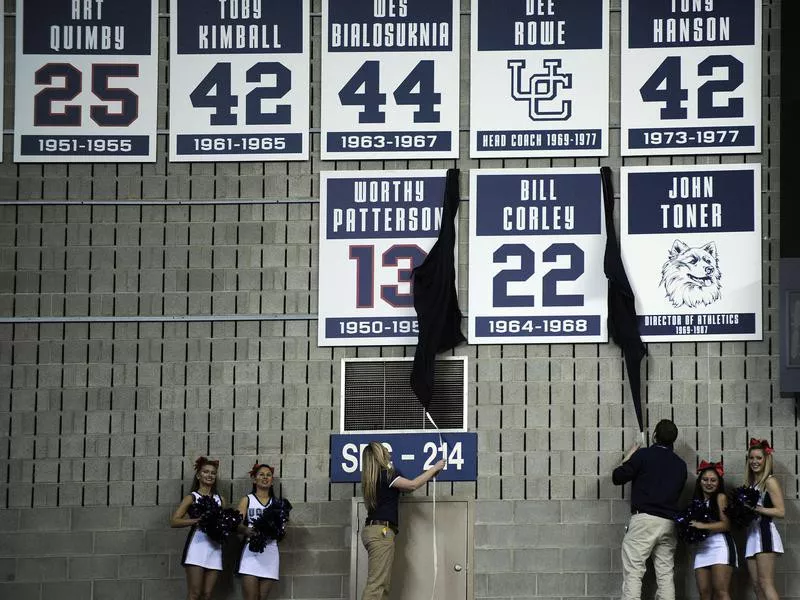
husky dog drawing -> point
(691, 276)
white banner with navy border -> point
(536, 247)
(691, 77)
(412, 453)
(539, 78)
(691, 244)
(375, 227)
(239, 80)
(390, 79)
(86, 81)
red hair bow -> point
(763, 444)
(707, 465)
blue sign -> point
(412, 453)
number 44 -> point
(363, 89)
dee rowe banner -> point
(536, 247)
(239, 80)
(86, 83)
(375, 227)
(390, 79)
(691, 77)
(539, 78)
(691, 244)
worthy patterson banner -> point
(390, 79)
(691, 77)
(539, 78)
(375, 227)
(691, 244)
(86, 81)
(239, 80)
(536, 247)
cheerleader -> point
(259, 570)
(716, 556)
(202, 557)
(763, 541)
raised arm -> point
(409, 485)
(178, 518)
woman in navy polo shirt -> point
(381, 485)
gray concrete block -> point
(58, 544)
(118, 542)
(512, 585)
(133, 566)
(41, 569)
(117, 590)
(20, 591)
(96, 518)
(44, 519)
(94, 567)
(315, 586)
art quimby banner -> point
(691, 245)
(691, 77)
(86, 81)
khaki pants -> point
(648, 535)
(379, 542)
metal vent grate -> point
(377, 396)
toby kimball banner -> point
(390, 79)
(539, 78)
(239, 80)
(86, 81)
(691, 244)
(691, 77)
(375, 227)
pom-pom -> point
(696, 511)
(741, 506)
(216, 522)
(270, 524)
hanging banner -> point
(691, 77)
(536, 247)
(390, 79)
(239, 80)
(691, 244)
(539, 78)
(86, 83)
(375, 227)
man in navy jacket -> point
(658, 477)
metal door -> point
(413, 570)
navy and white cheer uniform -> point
(200, 550)
(260, 564)
(762, 535)
(717, 549)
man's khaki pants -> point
(379, 542)
(648, 535)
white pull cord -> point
(435, 553)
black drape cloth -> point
(435, 299)
(623, 325)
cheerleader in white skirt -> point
(202, 557)
(715, 557)
(259, 570)
(763, 541)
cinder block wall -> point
(113, 378)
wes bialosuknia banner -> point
(539, 78)
(390, 79)
(691, 244)
(375, 227)
(691, 77)
(536, 246)
(86, 81)
(239, 80)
